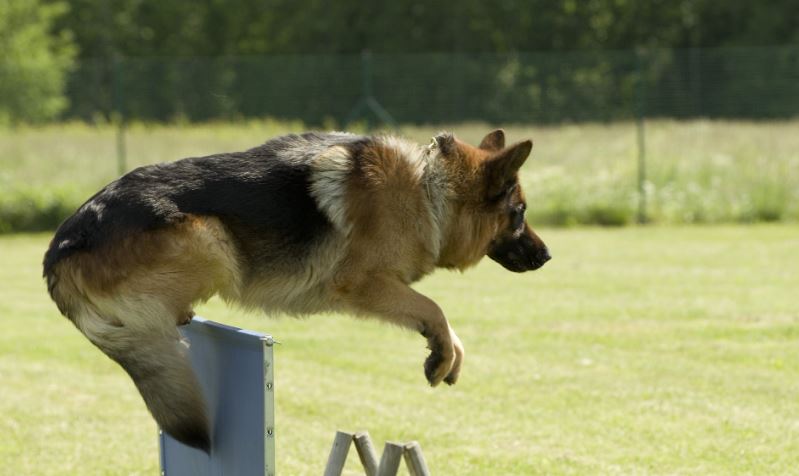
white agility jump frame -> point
(235, 369)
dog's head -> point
(491, 213)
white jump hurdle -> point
(235, 369)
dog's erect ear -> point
(501, 169)
(493, 141)
(444, 142)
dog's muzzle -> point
(521, 254)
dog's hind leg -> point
(392, 300)
(128, 300)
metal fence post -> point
(640, 106)
(367, 102)
(118, 114)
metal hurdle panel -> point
(235, 370)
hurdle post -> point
(393, 453)
(414, 460)
(338, 455)
(366, 452)
(389, 463)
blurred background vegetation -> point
(318, 64)
(638, 350)
(432, 61)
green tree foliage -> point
(34, 61)
(246, 27)
(202, 59)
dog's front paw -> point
(440, 362)
(455, 371)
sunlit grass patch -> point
(638, 350)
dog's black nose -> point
(544, 256)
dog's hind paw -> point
(186, 318)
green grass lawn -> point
(635, 351)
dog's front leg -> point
(392, 300)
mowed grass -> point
(650, 350)
(697, 171)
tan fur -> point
(177, 266)
(128, 299)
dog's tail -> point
(161, 371)
(157, 363)
(141, 336)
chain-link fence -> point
(518, 88)
(445, 88)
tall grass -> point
(698, 171)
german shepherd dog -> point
(302, 224)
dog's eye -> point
(517, 219)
